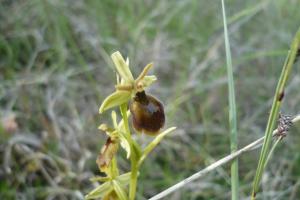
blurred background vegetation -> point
(55, 70)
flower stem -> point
(133, 179)
(133, 155)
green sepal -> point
(122, 66)
(115, 99)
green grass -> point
(232, 112)
(273, 117)
(55, 71)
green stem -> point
(133, 179)
(133, 155)
(272, 150)
(253, 197)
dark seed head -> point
(147, 114)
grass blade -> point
(232, 112)
(279, 94)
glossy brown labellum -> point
(147, 114)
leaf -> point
(136, 149)
(119, 190)
(122, 67)
(115, 99)
(100, 191)
(154, 143)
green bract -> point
(128, 86)
(110, 186)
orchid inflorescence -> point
(147, 117)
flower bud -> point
(147, 114)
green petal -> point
(100, 191)
(154, 143)
(115, 99)
(148, 80)
(119, 190)
(144, 72)
(122, 67)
